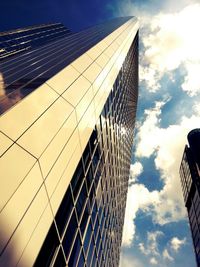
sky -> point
(156, 230)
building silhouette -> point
(68, 105)
(190, 181)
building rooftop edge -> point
(193, 132)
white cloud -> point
(135, 170)
(127, 260)
(148, 132)
(153, 261)
(167, 145)
(191, 83)
(167, 256)
(151, 247)
(143, 249)
(170, 42)
(151, 77)
(138, 197)
(176, 243)
(142, 10)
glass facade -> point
(20, 40)
(22, 74)
(190, 182)
(87, 230)
(67, 114)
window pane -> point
(64, 211)
(69, 235)
(75, 252)
(48, 248)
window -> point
(75, 252)
(81, 200)
(64, 211)
(60, 260)
(81, 260)
(48, 248)
(69, 234)
(84, 220)
(87, 237)
(77, 179)
(89, 177)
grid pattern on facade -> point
(185, 174)
(43, 138)
(87, 229)
(189, 182)
(194, 215)
(20, 40)
(21, 75)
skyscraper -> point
(190, 181)
(68, 105)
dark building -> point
(68, 105)
(190, 181)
